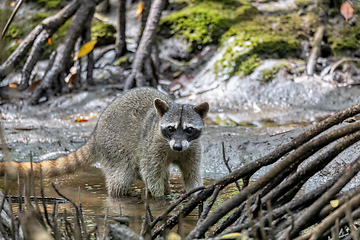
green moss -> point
(344, 39)
(248, 65)
(13, 32)
(10, 41)
(258, 38)
(121, 60)
(38, 17)
(303, 3)
(203, 22)
(50, 4)
(103, 33)
(227, 193)
(268, 74)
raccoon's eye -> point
(189, 130)
(171, 129)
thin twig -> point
(305, 219)
(105, 223)
(174, 205)
(11, 18)
(81, 213)
(12, 229)
(226, 161)
(145, 228)
(2, 230)
(74, 205)
(270, 220)
(354, 233)
(43, 200)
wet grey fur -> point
(129, 142)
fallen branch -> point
(329, 221)
(304, 220)
(289, 162)
(315, 52)
(252, 167)
(297, 180)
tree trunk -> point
(120, 46)
(50, 23)
(316, 50)
(146, 43)
(64, 50)
(323, 8)
(144, 16)
(90, 56)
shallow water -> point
(94, 199)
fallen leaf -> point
(334, 203)
(139, 9)
(49, 40)
(12, 85)
(12, 4)
(34, 84)
(72, 80)
(346, 10)
(192, 96)
(81, 119)
(174, 236)
(71, 77)
(231, 235)
(101, 75)
(85, 49)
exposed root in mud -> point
(61, 58)
(267, 208)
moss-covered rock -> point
(50, 4)
(303, 3)
(344, 40)
(103, 33)
(203, 22)
(268, 75)
(261, 37)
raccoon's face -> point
(181, 124)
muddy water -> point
(94, 199)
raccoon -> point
(139, 134)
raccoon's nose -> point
(177, 147)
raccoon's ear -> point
(161, 106)
(202, 109)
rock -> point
(119, 231)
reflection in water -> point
(94, 199)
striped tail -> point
(66, 164)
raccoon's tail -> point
(81, 158)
